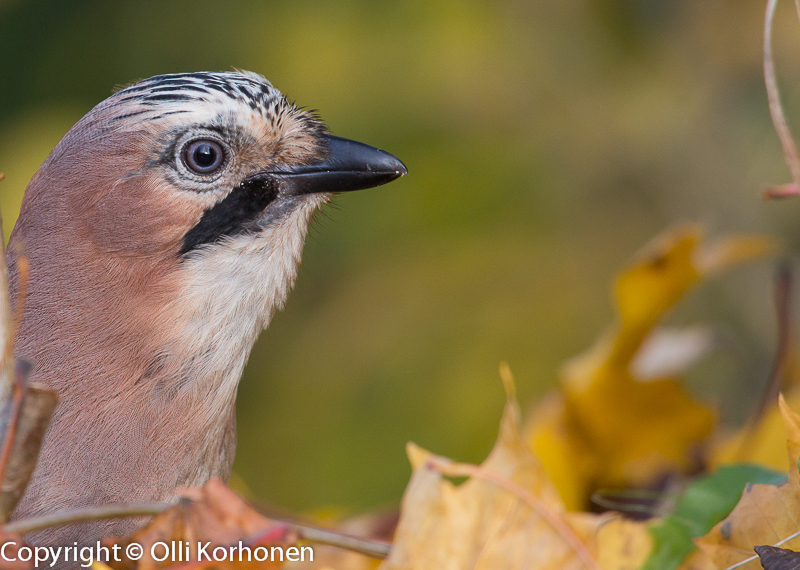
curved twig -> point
(373, 548)
(776, 111)
(62, 518)
(755, 556)
(368, 547)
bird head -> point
(185, 161)
(161, 233)
(167, 225)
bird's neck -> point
(148, 372)
(229, 294)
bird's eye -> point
(203, 156)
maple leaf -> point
(508, 515)
(583, 432)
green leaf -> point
(702, 504)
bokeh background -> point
(546, 142)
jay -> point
(162, 232)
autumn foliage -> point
(620, 419)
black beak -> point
(349, 166)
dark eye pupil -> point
(203, 156)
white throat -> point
(231, 290)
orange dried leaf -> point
(211, 514)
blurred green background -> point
(546, 142)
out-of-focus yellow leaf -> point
(765, 514)
(623, 544)
(718, 255)
(606, 427)
(507, 515)
(567, 460)
(762, 440)
(659, 275)
(763, 443)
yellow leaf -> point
(507, 515)
(766, 514)
(567, 460)
(763, 443)
(660, 274)
(623, 544)
(721, 254)
(612, 424)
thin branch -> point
(783, 308)
(38, 405)
(6, 336)
(453, 469)
(615, 500)
(62, 518)
(13, 422)
(755, 557)
(780, 191)
(373, 548)
(776, 111)
(21, 369)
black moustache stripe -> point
(236, 214)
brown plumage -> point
(162, 233)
